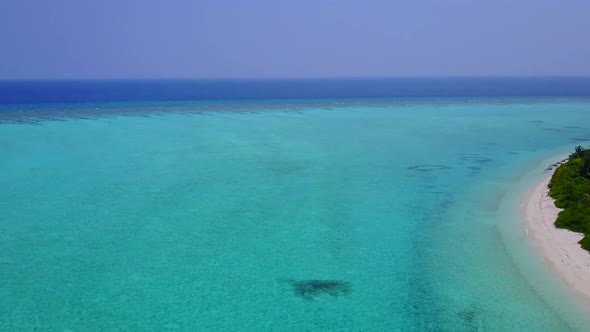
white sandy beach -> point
(559, 247)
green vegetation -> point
(570, 187)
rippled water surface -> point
(291, 216)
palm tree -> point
(578, 152)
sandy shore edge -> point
(558, 248)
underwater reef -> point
(310, 289)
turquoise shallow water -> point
(175, 220)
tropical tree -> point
(578, 152)
(585, 169)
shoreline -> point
(558, 248)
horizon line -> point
(319, 78)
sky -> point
(62, 39)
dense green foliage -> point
(570, 187)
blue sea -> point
(275, 205)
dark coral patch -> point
(469, 319)
(310, 289)
(428, 168)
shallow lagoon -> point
(201, 217)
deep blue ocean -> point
(275, 205)
(75, 91)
